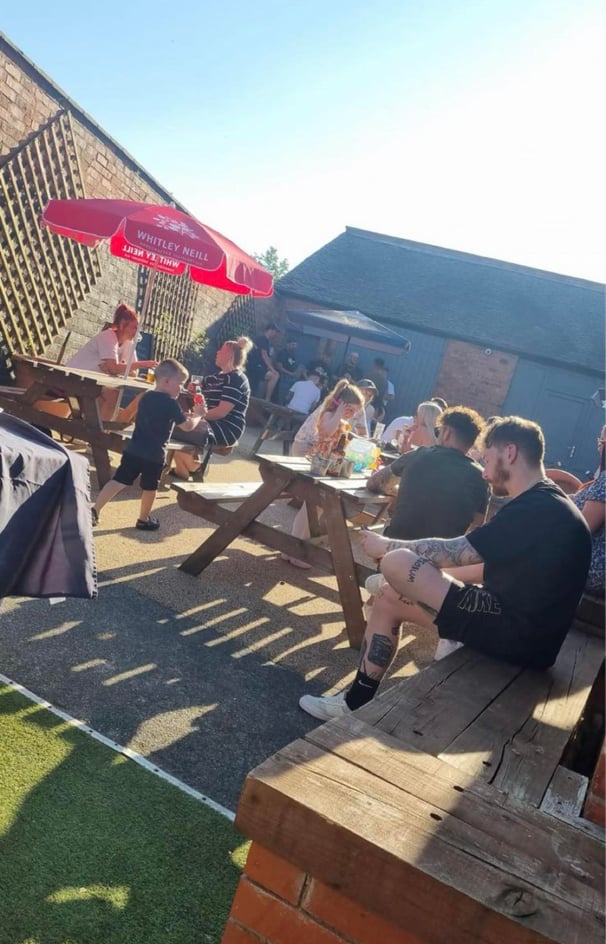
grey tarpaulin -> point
(46, 539)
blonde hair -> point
(427, 416)
(239, 348)
(171, 368)
(343, 392)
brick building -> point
(50, 148)
(500, 337)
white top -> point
(307, 435)
(305, 396)
(395, 426)
(103, 347)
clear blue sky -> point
(475, 125)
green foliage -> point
(270, 261)
(194, 356)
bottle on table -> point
(337, 456)
(378, 432)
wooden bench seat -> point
(432, 813)
(223, 494)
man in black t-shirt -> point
(442, 491)
(286, 364)
(351, 368)
(260, 367)
(509, 588)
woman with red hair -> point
(112, 351)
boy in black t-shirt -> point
(145, 455)
(509, 588)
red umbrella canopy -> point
(162, 238)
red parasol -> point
(163, 239)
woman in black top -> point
(226, 394)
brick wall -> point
(595, 803)
(475, 376)
(28, 100)
(276, 903)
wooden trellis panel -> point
(170, 312)
(43, 277)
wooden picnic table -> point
(281, 423)
(81, 389)
(288, 477)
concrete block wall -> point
(276, 903)
(468, 374)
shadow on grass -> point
(96, 850)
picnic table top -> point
(277, 409)
(59, 372)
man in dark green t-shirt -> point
(441, 492)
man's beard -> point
(498, 483)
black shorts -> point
(131, 466)
(476, 617)
(200, 435)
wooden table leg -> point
(270, 489)
(89, 411)
(271, 419)
(315, 528)
(344, 568)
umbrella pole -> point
(147, 296)
(144, 308)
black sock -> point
(362, 691)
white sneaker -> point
(325, 707)
(445, 647)
(374, 583)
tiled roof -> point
(496, 304)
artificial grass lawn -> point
(96, 850)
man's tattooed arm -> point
(444, 552)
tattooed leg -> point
(378, 656)
(417, 581)
(416, 566)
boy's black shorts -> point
(131, 466)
